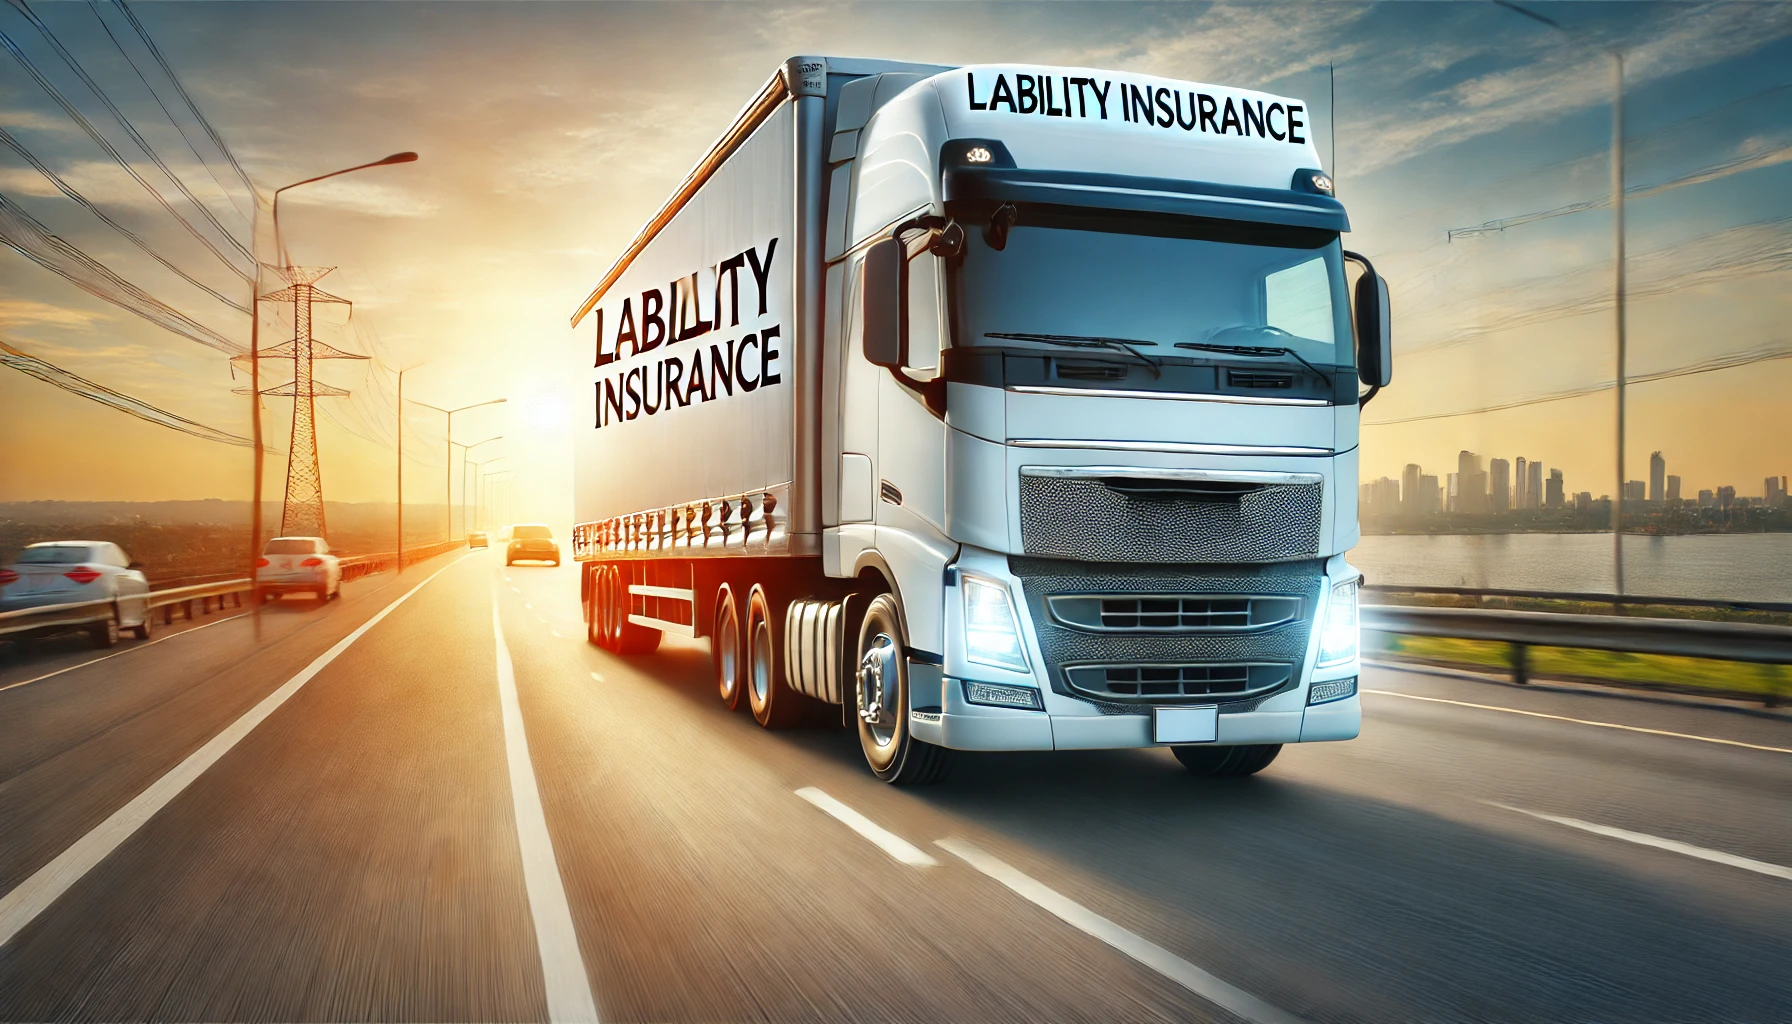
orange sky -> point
(549, 132)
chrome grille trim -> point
(1172, 613)
(1200, 682)
(1169, 517)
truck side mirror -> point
(882, 305)
(1374, 337)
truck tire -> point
(773, 703)
(104, 634)
(725, 649)
(593, 620)
(880, 701)
(1224, 762)
(142, 630)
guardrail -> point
(207, 596)
(1617, 601)
(1522, 630)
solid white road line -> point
(1759, 867)
(883, 838)
(32, 896)
(119, 654)
(1583, 721)
(1228, 997)
(562, 968)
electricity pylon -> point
(303, 512)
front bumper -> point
(964, 726)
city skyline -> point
(1478, 488)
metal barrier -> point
(1684, 638)
(1615, 600)
(207, 596)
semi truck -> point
(997, 408)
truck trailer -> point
(998, 407)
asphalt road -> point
(462, 815)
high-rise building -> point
(1633, 491)
(1471, 483)
(1431, 499)
(1775, 491)
(1583, 501)
(1411, 502)
(1658, 471)
(1707, 499)
(1499, 479)
(1520, 486)
(1554, 496)
(1726, 496)
(1453, 493)
(1533, 485)
(1673, 488)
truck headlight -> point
(1338, 639)
(991, 630)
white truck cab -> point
(1007, 407)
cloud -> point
(370, 198)
(1555, 76)
(21, 312)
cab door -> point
(911, 439)
(859, 395)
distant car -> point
(299, 565)
(478, 539)
(531, 542)
(75, 571)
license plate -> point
(1185, 725)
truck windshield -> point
(1167, 290)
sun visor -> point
(1178, 197)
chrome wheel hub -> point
(878, 687)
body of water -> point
(1736, 567)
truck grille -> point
(1207, 683)
(1106, 632)
(1171, 613)
(1126, 519)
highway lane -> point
(357, 855)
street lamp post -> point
(1618, 282)
(448, 466)
(478, 523)
(255, 370)
(466, 450)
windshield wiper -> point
(1085, 341)
(1256, 352)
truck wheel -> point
(143, 629)
(724, 643)
(774, 704)
(880, 696)
(630, 638)
(605, 593)
(104, 634)
(1219, 762)
(594, 623)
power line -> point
(62, 186)
(73, 383)
(30, 239)
(167, 69)
(125, 122)
(93, 133)
(1704, 366)
(93, 9)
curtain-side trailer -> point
(999, 408)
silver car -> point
(78, 571)
(531, 542)
(299, 565)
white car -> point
(299, 565)
(75, 571)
